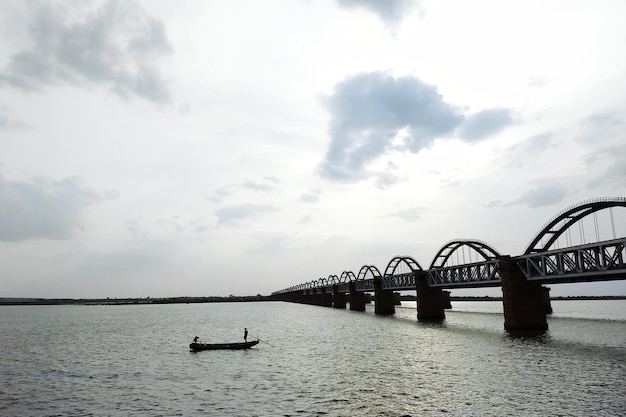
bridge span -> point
(522, 278)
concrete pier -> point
(384, 302)
(339, 298)
(396, 299)
(447, 304)
(429, 300)
(524, 303)
(327, 298)
(546, 300)
(357, 299)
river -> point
(134, 360)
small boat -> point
(221, 346)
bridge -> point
(522, 278)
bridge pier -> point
(310, 296)
(357, 299)
(339, 298)
(447, 304)
(430, 301)
(327, 298)
(384, 299)
(546, 300)
(524, 303)
(318, 297)
(396, 299)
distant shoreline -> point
(131, 301)
(237, 299)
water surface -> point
(134, 360)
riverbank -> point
(126, 301)
(231, 299)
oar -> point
(262, 340)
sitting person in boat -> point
(195, 339)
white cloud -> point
(369, 110)
(545, 195)
(235, 215)
(117, 44)
(486, 123)
(389, 11)
(44, 209)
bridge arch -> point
(333, 279)
(398, 261)
(560, 223)
(365, 269)
(484, 250)
(347, 276)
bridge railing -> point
(364, 285)
(404, 281)
(602, 261)
(343, 287)
(478, 274)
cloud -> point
(7, 121)
(607, 119)
(44, 209)
(312, 196)
(118, 45)
(233, 215)
(544, 195)
(306, 219)
(606, 162)
(373, 114)
(221, 193)
(541, 196)
(607, 166)
(486, 123)
(537, 81)
(268, 184)
(519, 154)
(388, 177)
(389, 11)
(409, 215)
(494, 203)
(370, 111)
(173, 223)
(139, 262)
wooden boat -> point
(221, 346)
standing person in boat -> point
(245, 334)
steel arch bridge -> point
(599, 261)
(485, 273)
(400, 273)
(560, 223)
(444, 254)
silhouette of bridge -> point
(526, 301)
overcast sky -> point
(160, 148)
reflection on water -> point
(134, 360)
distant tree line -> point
(126, 301)
(236, 298)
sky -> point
(159, 149)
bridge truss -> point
(602, 261)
